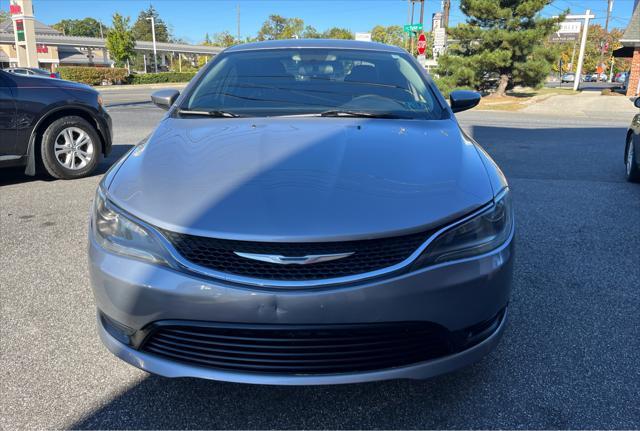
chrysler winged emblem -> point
(294, 260)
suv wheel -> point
(70, 148)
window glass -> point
(313, 80)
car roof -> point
(315, 43)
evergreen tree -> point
(142, 26)
(120, 41)
(501, 45)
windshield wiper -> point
(213, 113)
(362, 114)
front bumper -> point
(423, 370)
(456, 295)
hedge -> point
(93, 75)
(155, 78)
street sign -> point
(568, 32)
(439, 41)
(422, 44)
(20, 30)
(412, 28)
(365, 37)
(570, 27)
(15, 9)
(565, 37)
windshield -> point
(314, 81)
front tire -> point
(631, 162)
(70, 148)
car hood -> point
(301, 179)
(71, 84)
(45, 81)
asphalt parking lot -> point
(570, 357)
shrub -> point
(161, 77)
(610, 92)
(93, 75)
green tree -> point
(88, 27)
(595, 36)
(142, 27)
(224, 39)
(501, 45)
(391, 35)
(310, 32)
(4, 16)
(120, 41)
(619, 64)
(279, 27)
(337, 33)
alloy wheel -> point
(73, 148)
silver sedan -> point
(306, 212)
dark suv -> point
(60, 123)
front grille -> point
(284, 349)
(368, 255)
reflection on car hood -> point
(301, 179)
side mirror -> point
(461, 100)
(164, 98)
(636, 102)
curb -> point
(142, 86)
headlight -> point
(482, 234)
(121, 235)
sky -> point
(192, 19)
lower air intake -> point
(286, 349)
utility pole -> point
(586, 17)
(153, 36)
(421, 23)
(606, 35)
(609, 9)
(411, 34)
(407, 35)
(238, 20)
(446, 7)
